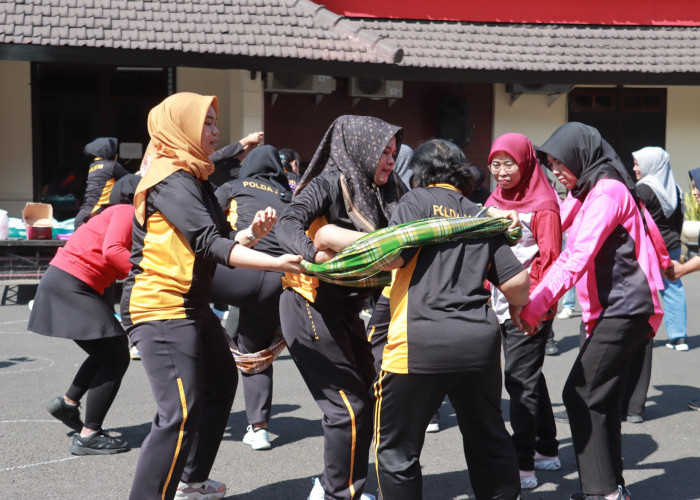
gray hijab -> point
(657, 174)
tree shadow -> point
(132, 434)
(6, 363)
(672, 400)
(287, 429)
(568, 343)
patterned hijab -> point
(353, 145)
(175, 126)
(533, 192)
(657, 174)
(590, 158)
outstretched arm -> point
(241, 256)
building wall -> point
(299, 122)
(529, 115)
(240, 98)
(16, 138)
(683, 131)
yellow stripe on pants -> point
(180, 435)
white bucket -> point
(4, 225)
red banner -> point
(637, 12)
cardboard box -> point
(38, 219)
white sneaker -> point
(258, 440)
(433, 425)
(547, 463)
(528, 480)
(317, 492)
(208, 490)
(565, 313)
(134, 353)
(679, 344)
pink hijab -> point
(533, 192)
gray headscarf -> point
(657, 174)
(401, 167)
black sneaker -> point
(98, 443)
(68, 414)
(550, 348)
(694, 404)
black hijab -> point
(353, 146)
(583, 150)
(124, 189)
(102, 147)
(264, 163)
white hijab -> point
(657, 174)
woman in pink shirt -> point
(523, 187)
(613, 262)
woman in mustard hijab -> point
(179, 237)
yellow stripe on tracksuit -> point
(104, 196)
(183, 401)
(354, 440)
(395, 355)
(377, 422)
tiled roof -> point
(542, 47)
(295, 29)
(267, 33)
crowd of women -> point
(437, 330)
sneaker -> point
(622, 494)
(258, 439)
(679, 344)
(565, 313)
(134, 353)
(30, 304)
(434, 424)
(97, 443)
(634, 418)
(317, 492)
(208, 490)
(562, 416)
(66, 413)
(550, 348)
(528, 480)
(694, 404)
(546, 463)
(222, 315)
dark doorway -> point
(629, 119)
(71, 106)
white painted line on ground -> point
(24, 421)
(18, 467)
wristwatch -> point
(250, 236)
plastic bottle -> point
(4, 225)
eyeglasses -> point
(509, 166)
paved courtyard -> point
(662, 455)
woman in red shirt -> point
(70, 304)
